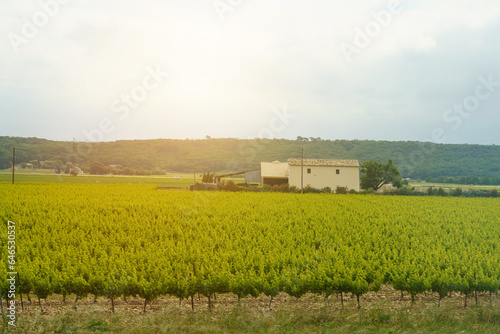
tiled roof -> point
(323, 162)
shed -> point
(274, 173)
(253, 176)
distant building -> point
(320, 173)
(317, 173)
(274, 173)
(76, 170)
(386, 187)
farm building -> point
(76, 170)
(274, 173)
(252, 175)
(320, 173)
(317, 173)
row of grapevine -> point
(130, 240)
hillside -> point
(414, 159)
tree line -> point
(470, 179)
(415, 160)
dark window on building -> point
(309, 171)
(338, 171)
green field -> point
(176, 180)
(114, 241)
(169, 180)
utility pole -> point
(13, 162)
(302, 173)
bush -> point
(67, 167)
(293, 189)
(326, 190)
(231, 186)
(442, 192)
(491, 193)
(206, 186)
(267, 188)
(341, 190)
(457, 192)
(474, 193)
(309, 189)
(369, 191)
(431, 191)
(255, 189)
(352, 191)
(406, 191)
(281, 188)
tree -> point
(5, 159)
(67, 167)
(57, 165)
(376, 174)
(34, 163)
(208, 177)
(98, 168)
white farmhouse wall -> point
(326, 176)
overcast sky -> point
(360, 69)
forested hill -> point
(414, 159)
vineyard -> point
(112, 241)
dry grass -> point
(381, 312)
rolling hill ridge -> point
(417, 160)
